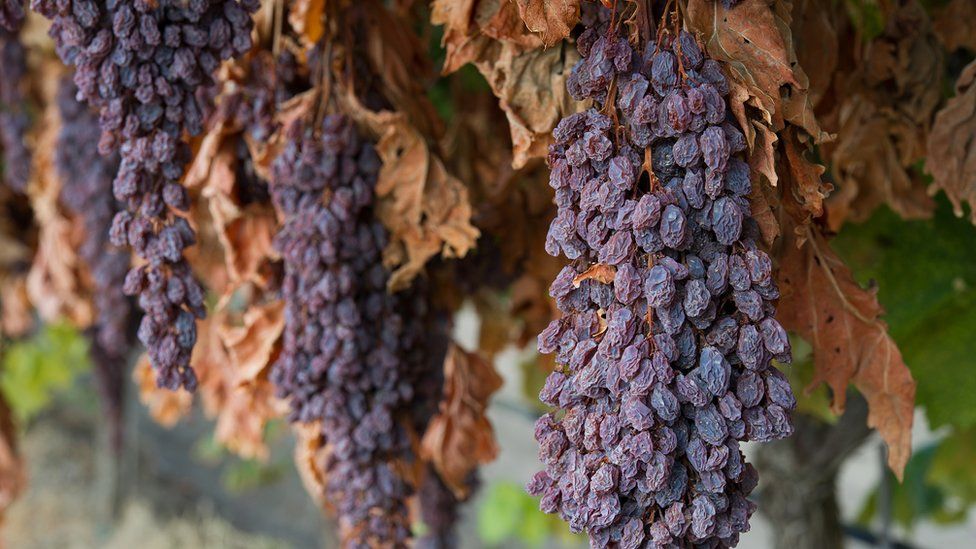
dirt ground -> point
(166, 498)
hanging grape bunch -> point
(353, 353)
(86, 189)
(14, 117)
(665, 365)
(144, 65)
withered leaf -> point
(755, 41)
(252, 347)
(760, 203)
(815, 38)
(823, 303)
(883, 114)
(871, 160)
(231, 362)
(166, 407)
(309, 457)
(528, 80)
(808, 188)
(55, 282)
(459, 437)
(306, 17)
(951, 150)
(600, 272)
(955, 25)
(16, 311)
(551, 19)
(425, 208)
(531, 89)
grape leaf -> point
(952, 466)
(600, 272)
(55, 282)
(955, 26)
(887, 97)
(459, 437)
(306, 17)
(926, 273)
(309, 457)
(824, 304)
(35, 369)
(809, 190)
(755, 41)
(528, 80)
(166, 407)
(248, 400)
(951, 151)
(551, 19)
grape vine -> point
(665, 366)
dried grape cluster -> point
(355, 357)
(439, 509)
(14, 117)
(666, 367)
(145, 65)
(11, 14)
(86, 179)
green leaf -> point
(926, 275)
(500, 513)
(867, 18)
(954, 466)
(36, 368)
(915, 498)
(247, 474)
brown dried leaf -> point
(808, 188)
(760, 203)
(883, 112)
(232, 364)
(16, 311)
(600, 272)
(755, 41)
(306, 17)
(951, 149)
(531, 89)
(245, 233)
(425, 208)
(401, 62)
(54, 283)
(871, 160)
(309, 457)
(551, 19)
(166, 407)
(955, 25)
(241, 422)
(815, 38)
(459, 437)
(823, 303)
(529, 81)
(254, 346)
